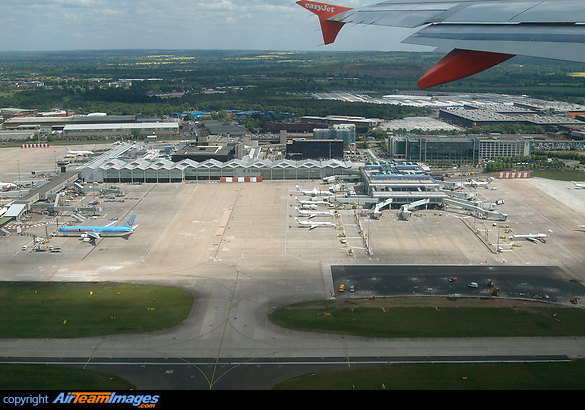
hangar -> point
(164, 170)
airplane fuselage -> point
(95, 229)
(94, 232)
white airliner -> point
(6, 186)
(313, 202)
(313, 225)
(475, 183)
(578, 185)
(313, 192)
(533, 237)
(312, 214)
(78, 153)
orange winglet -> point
(324, 11)
(459, 64)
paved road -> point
(540, 283)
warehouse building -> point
(121, 130)
(501, 114)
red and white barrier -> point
(505, 175)
(43, 145)
(240, 179)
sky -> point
(50, 25)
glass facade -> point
(455, 149)
(344, 132)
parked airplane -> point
(477, 34)
(6, 186)
(578, 185)
(533, 237)
(475, 183)
(313, 225)
(78, 153)
(313, 192)
(312, 214)
(92, 233)
(309, 203)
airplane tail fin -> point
(130, 222)
(329, 28)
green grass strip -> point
(45, 377)
(404, 322)
(68, 310)
(446, 376)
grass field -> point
(44, 377)
(447, 376)
(392, 320)
(64, 310)
(560, 175)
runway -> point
(261, 373)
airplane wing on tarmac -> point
(477, 35)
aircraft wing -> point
(93, 235)
(476, 34)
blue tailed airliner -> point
(93, 232)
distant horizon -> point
(213, 49)
(72, 25)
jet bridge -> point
(378, 208)
(477, 210)
(406, 209)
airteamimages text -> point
(137, 400)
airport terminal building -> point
(404, 182)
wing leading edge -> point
(477, 35)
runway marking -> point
(449, 238)
(172, 219)
(397, 236)
(428, 241)
(297, 362)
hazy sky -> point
(31, 25)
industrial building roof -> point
(128, 126)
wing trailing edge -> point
(476, 34)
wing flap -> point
(561, 41)
(397, 14)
